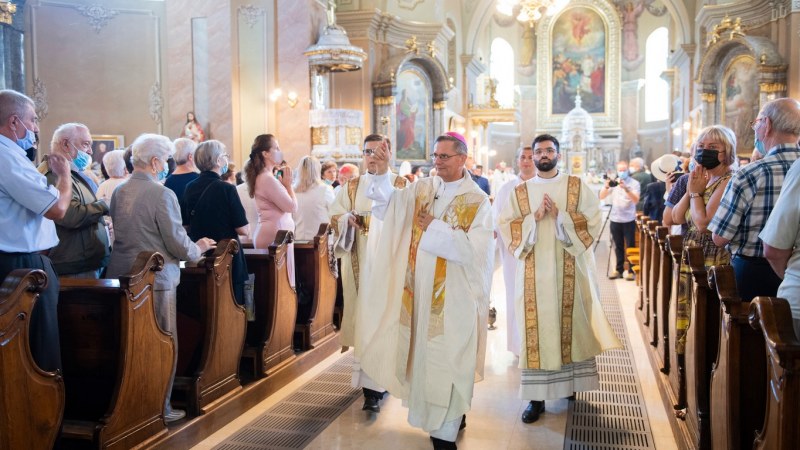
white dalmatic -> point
(509, 262)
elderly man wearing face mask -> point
(83, 248)
(751, 195)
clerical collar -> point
(538, 179)
(447, 188)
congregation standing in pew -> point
(550, 223)
(114, 166)
(148, 218)
(781, 234)
(714, 153)
(313, 198)
(29, 206)
(249, 205)
(428, 289)
(350, 203)
(751, 195)
(83, 247)
(527, 170)
(211, 208)
(186, 170)
(269, 182)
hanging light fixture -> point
(529, 11)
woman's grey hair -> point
(207, 155)
(308, 174)
(149, 146)
(65, 131)
(114, 161)
(184, 147)
(724, 135)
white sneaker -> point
(629, 275)
(615, 274)
(174, 415)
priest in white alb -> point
(549, 224)
(347, 212)
(524, 162)
(428, 286)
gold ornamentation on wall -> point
(352, 136)
(7, 11)
(412, 46)
(708, 97)
(383, 101)
(319, 135)
(440, 105)
(770, 88)
(432, 49)
(727, 28)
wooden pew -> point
(738, 383)
(663, 259)
(701, 343)
(211, 329)
(653, 274)
(640, 231)
(31, 400)
(644, 258)
(773, 318)
(315, 321)
(269, 340)
(117, 360)
(677, 373)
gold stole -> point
(568, 270)
(460, 214)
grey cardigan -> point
(147, 217)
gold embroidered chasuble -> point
(557, 297)
(428, 346)
(351, 198)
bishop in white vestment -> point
(549, 224)
(432, 271)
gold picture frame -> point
(102, 143)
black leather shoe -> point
(439, 444)
(463, 422)
(533, 411)
(371, 404)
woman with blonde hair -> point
(313, 198)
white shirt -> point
(312, 210)
(250, 210)
(623, 209)
(24, 199)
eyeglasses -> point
(754, 122)
(442, 156)
(368, 152)
(541, 151)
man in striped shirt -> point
(751, 194)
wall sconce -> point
(291, 97)
(7, 10)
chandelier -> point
(529, 11)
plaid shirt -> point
(749, 198)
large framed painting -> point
(579, 60)
(580, 47)
(103, 143)
(739, 91)
(412, 112)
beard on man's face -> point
(545, 165)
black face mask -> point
(707, 158)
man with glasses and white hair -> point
(351, 236)
(428, 289)
(82, 251)
(29, 206)
(750, 197)
(147, 217)
(549, 224)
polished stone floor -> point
(494, 421)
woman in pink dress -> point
(274, 196)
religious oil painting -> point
(104, 143)
(413, 105)
(579, 60)
(739, 100)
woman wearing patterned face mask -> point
(715, 153)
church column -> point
(12, 61)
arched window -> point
(501, 68)
(656, 90)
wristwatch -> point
(694, 195)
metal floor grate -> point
(614, 417)
(297, 420)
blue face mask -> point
(28, 140)
(760, 147)
(160, 176)
(692, 165)
(327, 181)
(623, 174)
(82, 160)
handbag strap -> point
(203, 194)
